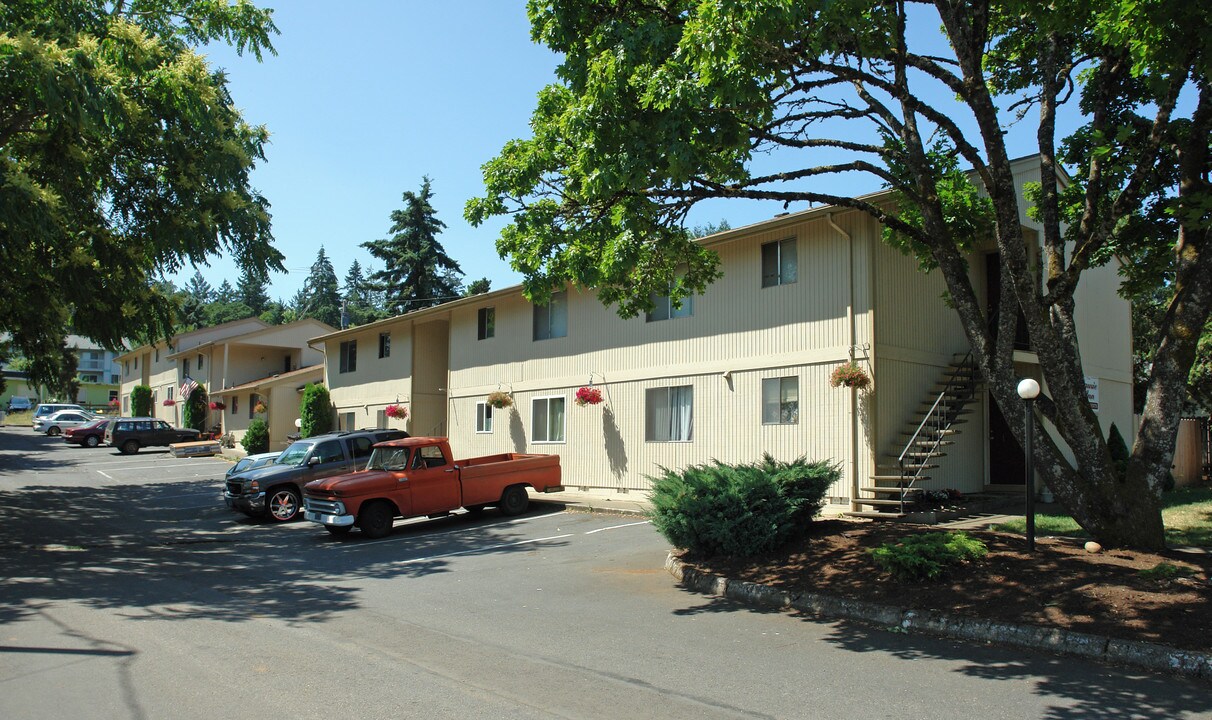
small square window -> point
(486, 323)
(781, 401)
(547, 420)
(551, 320)
(483, 417)
(779, 263)
(384, 345)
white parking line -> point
(154, 467)
(105, 475)
(616, 527)
(410, 522)
(480, 549)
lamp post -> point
(1028, 390)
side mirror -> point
(313, 460)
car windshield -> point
(294, 454)
(388, 458)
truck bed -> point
(482, 476)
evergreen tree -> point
(477, 287)
(198, 289)
(418, 272)
(320, 298)
(358, 297)
(250, 289)
(225, 294)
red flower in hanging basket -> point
(113, 402)
(260, 407)
(169, 402)
(499, 399)
(399, 412)
(850, 375)
(588, 396)
(216, 405)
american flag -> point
(188, 387)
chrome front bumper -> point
(250, 504)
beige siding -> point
(377, 382)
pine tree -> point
(320, 298)
(477, 287)
(225, 294)
(357, 294)
(418, 272)
(250, 289)
(199, 289)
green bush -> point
(315, 411)
(925, 556)
(256, 438)
(738, 510)
(140, 401)
(196, 410)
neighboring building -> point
(234, 362)
(737, 372)
(97, 371)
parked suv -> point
(276, 490)
(130, 434)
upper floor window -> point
(185, 367)
(486, 323)
(157, 354)
(547, 419)
(781, 401)
(669, 414)
(136, 362)
(349, 356)
(663, 309)
(384, 345)
(199, 361)
(551, 320)
(779, 265)
(125, 367)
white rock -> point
(1093, 547)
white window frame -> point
(543, 317)
(484, 424)
(780, 276)
(534, 402)
(655, 427)
(780, 412)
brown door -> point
(1007, 462)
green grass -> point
(1186, 513)
(24, 417)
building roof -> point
(293, 375)
(249, 335)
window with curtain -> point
(779, 263)
(483, 417)
(781, 401)
(547, 419)
(669, 415)
(551, 320)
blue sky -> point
(364, 98)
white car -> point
(55, 424)
(249, 462)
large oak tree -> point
(122, 158)
(663, 104)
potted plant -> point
(260, 408)
(217, 405)
(397, 412)
(500, 399)
(850, 375)
(588, 395)
(168, 402)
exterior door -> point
(434, 482)
(332, 460)
(1007, 461)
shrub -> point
(140, 401)
(196, 411)
(1163, 572)
(925, 556)
(315, 411)
(737, 510)
(256, 438)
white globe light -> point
(298, 423)
(1028, 389)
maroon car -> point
(90, 435)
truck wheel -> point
(338, 529)
(376, 520)
(92, 441)
(283, 504)
(130, 447)
(514, 500)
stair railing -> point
(938, 419)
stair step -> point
(934, 443)
(874, 502)
(898, 478)
(922, 454)
(907, 466)
(929, 429)
(925, 432)
(883, 490)
(874, 515)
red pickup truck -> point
(418, 476)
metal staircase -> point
(934, 424)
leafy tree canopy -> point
(662, 105)
(122, 156)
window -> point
(252, 404)
(235, 405)
(199, 362)
(185, 367)
(547, 420)
(113, 394)
(125, 367)
(349, 356)
(360, 447)
(161, 425)
(483, 417)
(486, 323)
(551, 320)
(778, 263)
(126, 403)
(168, 392)
(429, 456)
(136, 362)
(329, 451)
(157, 354)
(381, 419)
(346, 421)
(114, 380)
(663, 309)
(384, 345)
(669, 416)
(781, 401)
(89, 378)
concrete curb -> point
(1143, 655)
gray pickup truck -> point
(275, 490)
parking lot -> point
(130, 591)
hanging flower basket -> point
(216, 405)
(398, 412)
(169, 402)
(500, 399)
(588, 396)
(260, 408)
(850, 375)
(113, 402)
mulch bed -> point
(1060, 585)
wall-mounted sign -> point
(1092, 392)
